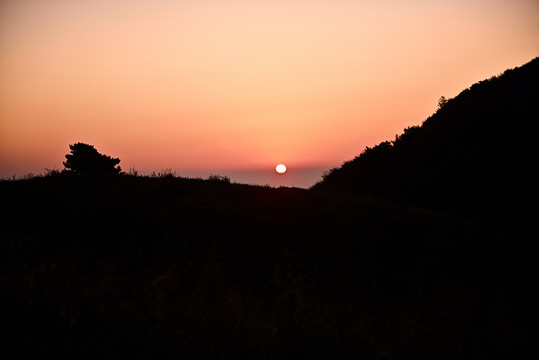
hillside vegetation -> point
(478, 152)
(420, 248)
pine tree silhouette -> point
(85, 159)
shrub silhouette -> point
(85, 159)
(219, 178)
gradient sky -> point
(214, 86)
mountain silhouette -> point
(477, 152)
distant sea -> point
(303, 177)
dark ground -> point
(105, 267)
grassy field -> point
(145, 267)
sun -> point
(281, 169)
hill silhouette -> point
(421, 248)
(478, 152)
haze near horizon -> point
(234, 87)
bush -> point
(219, 178)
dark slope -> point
(477, 152)
(131, 267)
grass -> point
(173, 267)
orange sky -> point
(210, 86)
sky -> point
(237, 87)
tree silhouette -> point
(85, 159)
(442, 101)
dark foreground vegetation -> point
(104, 265)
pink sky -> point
(216, 86)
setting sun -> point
(281, 169)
